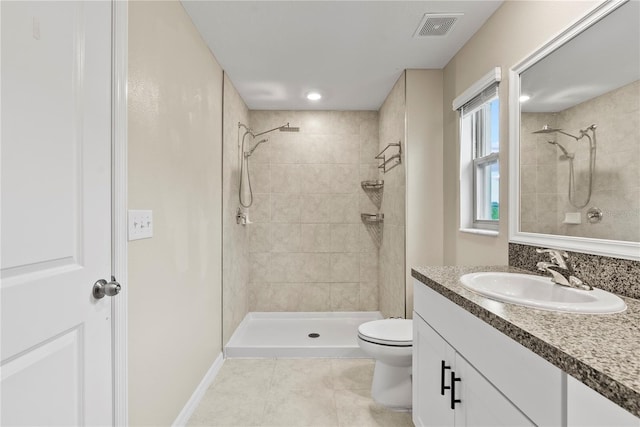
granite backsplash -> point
(620, 276)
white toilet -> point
(390, 342)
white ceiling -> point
(603, 58)
(352, 52)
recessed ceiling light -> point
(313, 96)
(524, 98)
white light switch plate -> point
(140, 224)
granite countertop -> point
(600, 350)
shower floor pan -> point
(292, 335)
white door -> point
(56, 366)
(433, 360)
(481, 403)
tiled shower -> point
(306, 248)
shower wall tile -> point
(312, 205)
(316, 238)
(368, 239)
(286, 267)
(261, 177)
(262, 155)
(368, 296)
(345, 296)
(236, 261)
(369, 172)
(260, 211)
(285, 208)
(346, 150)
(259, 266)
(368, 268)
(318, 149)
(282, 150)
(260, 238)
(344, 178)
(344, 208)
(391, 274)
(345, 237)
(286, 178)
(314, 297)
(366, 203)
(285, 237)
(345, 267)
(317, 178)
(316, 267)
(272, 297)
(316, 208)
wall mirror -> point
(575, 137)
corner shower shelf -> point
(372, 218)
(372, 185)
(395, 159)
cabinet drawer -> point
(534, 385)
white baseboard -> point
(198, 394)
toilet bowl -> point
(390, 343)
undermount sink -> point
(541, 293)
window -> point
(479, 149)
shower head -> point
(283, 128)
(287, 128)
(565, 153)
(547, 129)
(250, 152)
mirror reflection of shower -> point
(546, 129)
(245, 176)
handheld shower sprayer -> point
(250, 152)
(565, 153)
(244, 159)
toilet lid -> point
(398, 332)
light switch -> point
(140, 224)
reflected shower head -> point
(547, 129)
(565, 153)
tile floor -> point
(294, 392)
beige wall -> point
(514, 31)
(309, 250)
(391, 269)
(235, 247)
(424, 173)
(175, 113)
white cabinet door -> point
(481, 404)
(56, 221)
(587, 408)
(431, 402)
(435, 365)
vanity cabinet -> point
(449, 391)
(501, 382)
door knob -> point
(102, 288)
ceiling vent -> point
(436, 24)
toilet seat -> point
(389, 332)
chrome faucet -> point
(560, 269)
